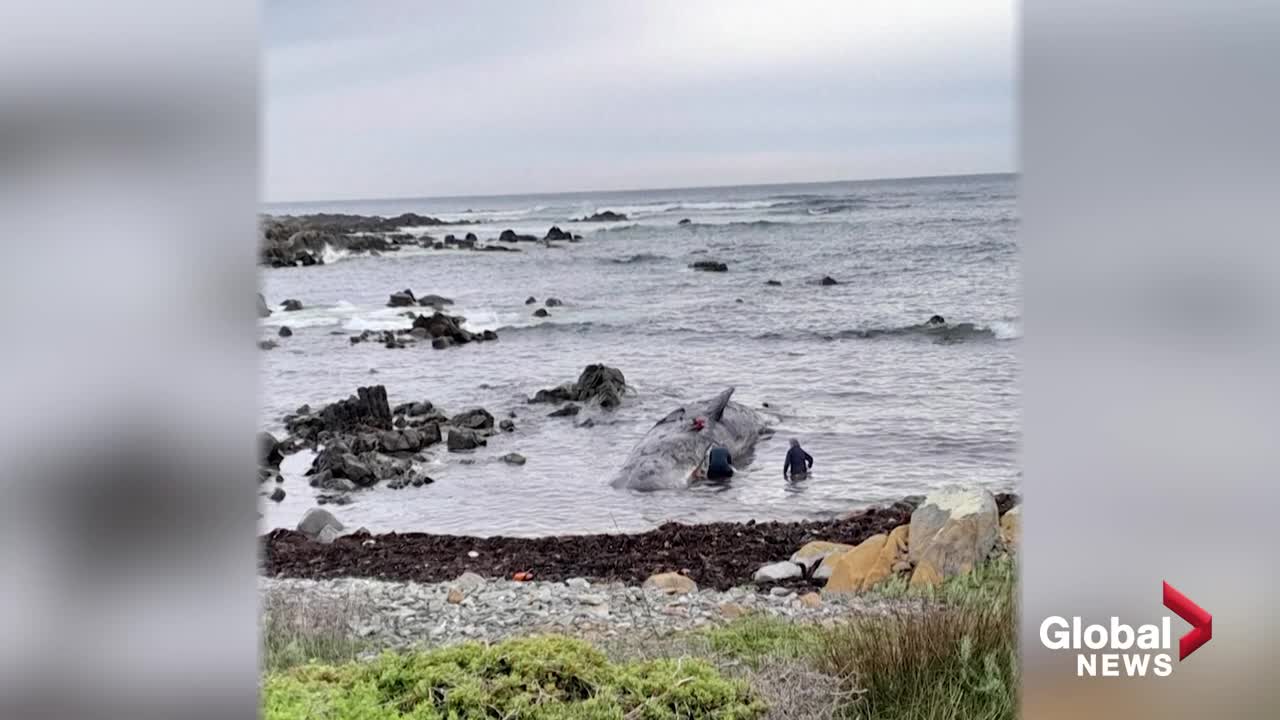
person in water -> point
(798, 462)
(719, 463)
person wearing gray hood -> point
(798, 462)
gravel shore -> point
(388, 615)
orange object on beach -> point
(522, 576)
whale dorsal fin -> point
(719, 404)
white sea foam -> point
(1006, 329)
(333, 255)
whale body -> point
(667, 455)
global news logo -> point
(1121, 650)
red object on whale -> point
(699, 423)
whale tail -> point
(719, 404)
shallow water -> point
(886, 411)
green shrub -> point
(536, 678)
(755, 639)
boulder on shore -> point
(951, 532)
(317, 522)
(670, 583)
(869, 564)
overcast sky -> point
(401, 99)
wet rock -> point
(269, 452)
(404, 298)
(441, 343)
(827, 280)
(489, 335)
(513, 459)
(555, 233)
(531, 300)
(553, 302)
(461, 439)
(291, 305)
(684, 221)
(709, 266)
(263, 310)
(510, 236)
(507, 426)
(285, 331)
(541, 312)
(267, 344)
(435, 301)
(606, 216)
(774, 283)
(473, 419)
(567, 411)
(277, 495)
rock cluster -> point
(441, 330)
(600, 384)
(709, 266)
(606, 216)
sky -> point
(387, 99)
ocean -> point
(886, 410)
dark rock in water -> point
(442, 343)
(277, 495)
(597, 383)
(461, 439)
(497, 248)
(285, 331)
(507, 426)
(436, 301)
(553, 302)
(263, 310)
(269, 453)
(510, 236)
(414, 409)
(404, 298)
(291, 305)
(738, 300)
(684, 221)
(775, 283)
(439, 325)
(567, 411)
(541, 312)
(474, 419)
(489, 335)
(471, 238)
(513, 459)
(531, 300)
(368, 407)
(606, 216)
(266, 344)
(827, 280)
(937, 320)
(555, 233)
(709, 266)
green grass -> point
(755, 639)
(539, 678)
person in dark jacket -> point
(798, 462)
(719, 463)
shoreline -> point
(719, 555)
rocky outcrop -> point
(870, 564)
(951, 533)
(600, 384)
(555, 233)
(709, 266)
(434, 301)
(827, 280)
(474, 419)
(510, 236)
(461, 439)
(404, 298)
(606, 216)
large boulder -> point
(269, 453)
(510, 236)
(316, 520)
(951, 532)
(434, 301)
(1011, 526)
(461, 440)
(404, 298)
(869, 564)
(599, 383)
(555, 233)
(474, 419)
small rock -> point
(709, 266)
(541, 312)
(811, 600)
(553, 302)
(285, 331)
(827, 280)
(266, 344)
(473, 554)
(507, 426)
(567, 411)
(278, 495)
(531, 300)
(469, 582)
(780, 591)
(577, 583)
(513, 459)
(774, 283)
(291, 305)
(732, 611)
(455, 596)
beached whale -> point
(668, 454)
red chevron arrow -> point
(1201, 621)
